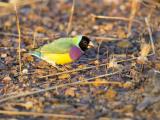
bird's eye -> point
(85, 42)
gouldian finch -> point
(63, 50)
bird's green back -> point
(58, 46)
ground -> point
(118, 79)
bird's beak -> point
(91, 44)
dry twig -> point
(41, 114)
(19, 42)
(150, 35)
(114, 18)
(70, 18)
(134, 9)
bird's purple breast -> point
(75, 53)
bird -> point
(63, 50)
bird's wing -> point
(59, 46)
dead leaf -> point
(28, 105)
(96, 62)
(98, 81)
(124, 44)
(40, 29)
(27, 58)
(157, 66)
(111, 94)
(64, 76)
(145, 49)
(121, 33)
(81, 66)
(40, 72)
(107, 27)
(70, 92)
(7, 25)
(3, 55)
(127, 85)
(6, 79)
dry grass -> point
(150, 35)
(19, 43)
(70, 18)
(134, 8)
(114, 18)
(60, 116)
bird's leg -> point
(54, 65)
(63, 68)
(58, 68)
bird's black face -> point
(84, 43)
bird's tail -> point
(36, 54)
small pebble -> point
(3, 55)
(25, 71)
(73, 33)
(95, 27)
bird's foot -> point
(54, 65)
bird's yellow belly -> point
(58, 58)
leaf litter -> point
(119, 79)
